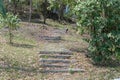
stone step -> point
(51, 37)
(53, 65)
(70, 70)
(56, 52)
(55, 61)
(55, 56)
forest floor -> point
(20, 61)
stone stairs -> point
(57, 61)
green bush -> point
(12, 22)
(102, 19)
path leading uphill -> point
(55, 57)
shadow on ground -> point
(19, 68)
(112, 64)
(80, 50)
(23, 45)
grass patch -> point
(18, 61)
(56, 24)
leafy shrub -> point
(12, 22)
(102, 19)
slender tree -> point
(30, 11)
(44, 10)
(12, 21)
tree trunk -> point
(61, 12)
(44, 19)
(45, 11)
(15, 7)
(30, 11)
(10, 36)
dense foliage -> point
(27, 9)
(2, 9)
(102, 19)
(60, 6)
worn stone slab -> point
(63, 70)
(55, 56)
(53, 65)
(51, 37)
(54, 61)
(56, 52)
